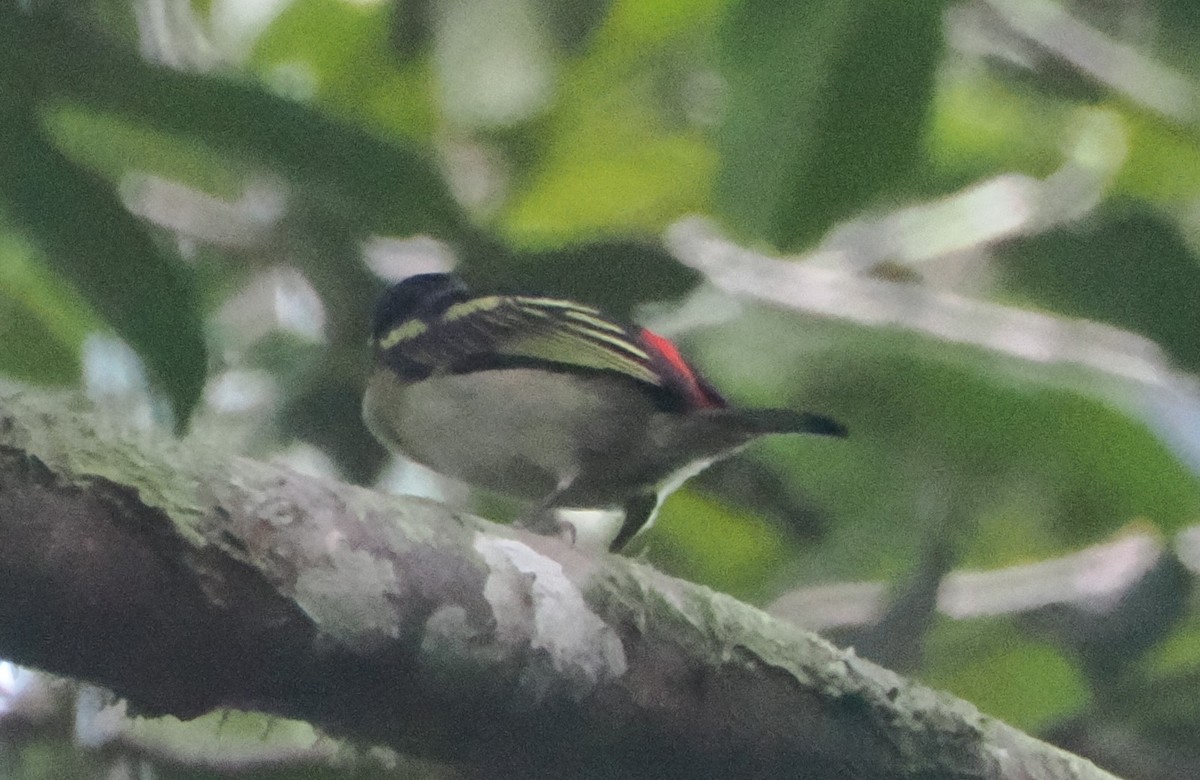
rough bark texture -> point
(185, 580)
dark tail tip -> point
(791, 421)
(821, 425)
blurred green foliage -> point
(609, 123)
(1075, 272)
(827, 104)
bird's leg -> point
(639, 510)
(540, 518)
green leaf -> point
(613, 274)
(700, 539)
(42, 321)
(572, 22)
(359, 61)
(994, 666)
(94, 242)
(612, 171)
(827, 106)
(1132, 270)
(625, 151)
(113, 147)
(377, 185)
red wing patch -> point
(679, 375)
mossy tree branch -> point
(186, 580)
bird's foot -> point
(544, 521)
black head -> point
(423, 296)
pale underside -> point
(587, 442)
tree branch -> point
(187, 580)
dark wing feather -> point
(493, 331)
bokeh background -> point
(969, 229)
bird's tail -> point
(713, 432)
(765, 421)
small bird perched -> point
(549, 400)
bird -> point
(550, 401)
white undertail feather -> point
(596, 528)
